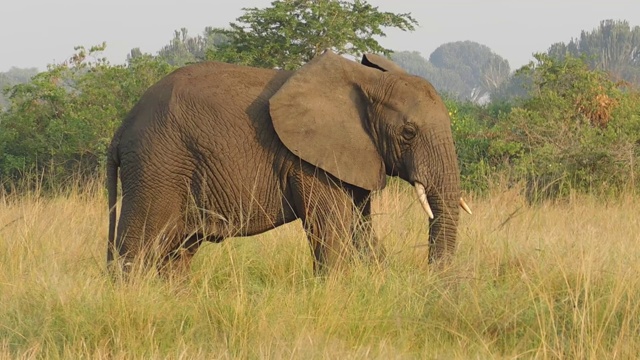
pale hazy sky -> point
(34, 33)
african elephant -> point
(215, 150)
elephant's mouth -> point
(422, 197)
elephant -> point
(216, 150)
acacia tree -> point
(291, 32)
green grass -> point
(547, 281)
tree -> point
(184, 49)
(444, 80)
(292, 32)
(613, 47)
(214, 38)
(481, 70)
(414, 63)
(13, 77)
(134, 53)
(463, 70)
(514, 89)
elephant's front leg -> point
(365, 239)
(329, 216)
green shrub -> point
(59, 124)
(577, 131)
(472, 140)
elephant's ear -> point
(380, 63)
(319, 115)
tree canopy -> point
(184, 49)
(465, 70)
(291, 32)
(614, 47)
(444, 80)
(481, 70)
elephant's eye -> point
(408, 132)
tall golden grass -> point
(545, 281)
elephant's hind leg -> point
(147, 232)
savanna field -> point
(551, 280)
(547, 267)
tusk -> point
(422, 196)
(465, 207)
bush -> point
(60, 123)
(577, 131)
(472, 139)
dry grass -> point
(546, 281)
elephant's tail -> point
(112, 189)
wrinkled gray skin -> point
(215, 150)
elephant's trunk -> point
(443, 228)
(439, 196)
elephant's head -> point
(361, 121)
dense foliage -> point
(481, 69)
(60, 123)
(290, 33)
(577, 131)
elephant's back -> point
(207, 128)
(208, 76)
(223, 109)
(202, 102)
(206, 84)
